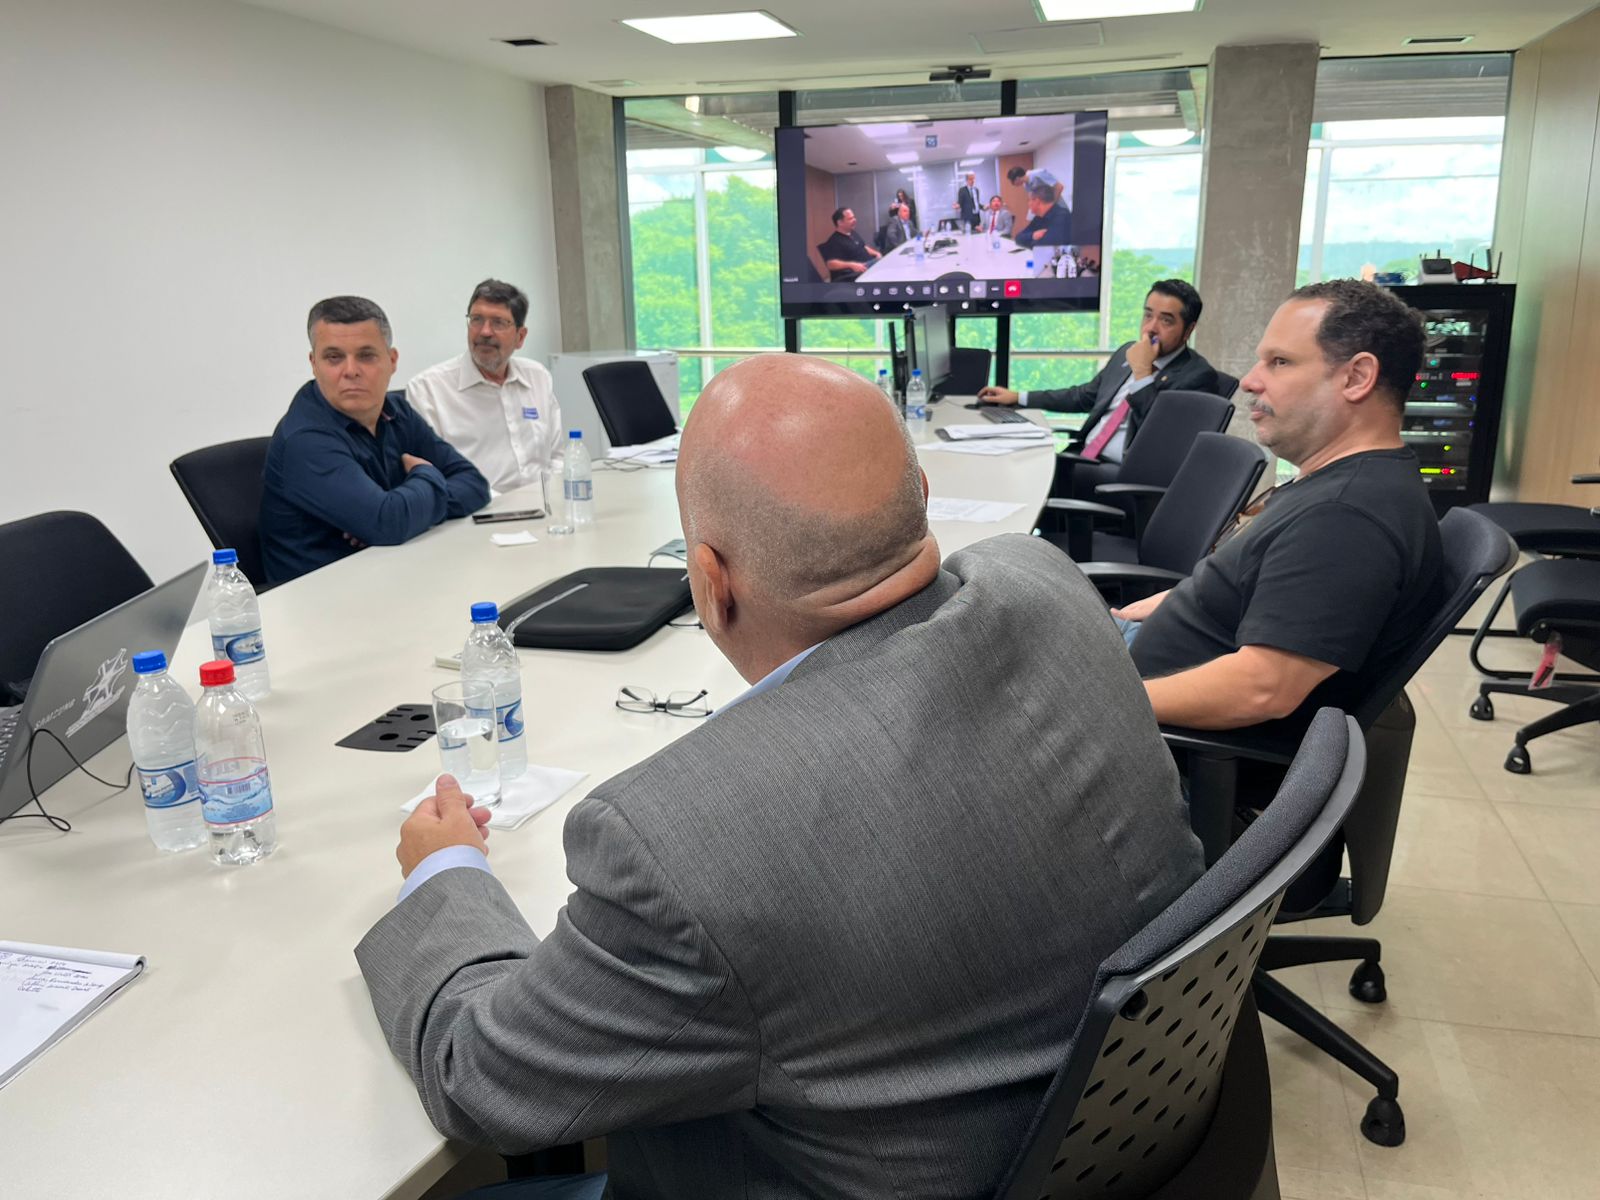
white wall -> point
(183, 179)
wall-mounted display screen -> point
(988, 215)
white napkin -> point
(535, 790)
(523, 538)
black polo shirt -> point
(846, 247)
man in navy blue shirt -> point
(352, 464)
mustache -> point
(1258, 405)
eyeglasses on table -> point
(677, 704)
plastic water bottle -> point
(235, 618)
(235, 790)
(1027, 267)
(917, 407)
(490, 656)
(577, 483)
(886, 386)
(920, 253)
(161, 736)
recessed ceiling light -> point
(984, 147)
(902, 156)
(713, 27)
(1101, 10)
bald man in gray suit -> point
(835, 940)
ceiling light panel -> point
(713, 27)
(1100, 10)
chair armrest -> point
(1586, 479)
(1129, 489)
(1087, 508)
(1116, 572)
(1073, 456)
(1259, 743)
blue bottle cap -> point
(575, 435)
(148, 661)
(224, 557)
(917, 373)
(485, 610)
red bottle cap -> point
(214, 674)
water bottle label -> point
(916, 412)
(578, 489)
(170, 786)
(510, 716)
(235, 790)
(239, 648)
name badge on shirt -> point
(529, 413)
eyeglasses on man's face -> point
(498, 324)
(677, 704)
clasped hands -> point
(446, 818)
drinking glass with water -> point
(464, 715)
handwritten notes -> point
(46, 991)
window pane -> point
(1416, 162)
(666, 302)
(742, 239)
(1389, 223)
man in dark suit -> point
(816, 946)
(1049, 224)
(898, 229)
(970, 203)
(1119, 397)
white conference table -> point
(972, 253)
(246, 1061)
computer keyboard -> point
(1002, 416)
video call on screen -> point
(1038, 249)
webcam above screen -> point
(987, 215)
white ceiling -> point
(844, 148)
(848, 42)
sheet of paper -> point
(1024, 431)
(947, 508)
(535, 790)
(523, 538)
(996, 446)
(45, 991)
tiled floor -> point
(1491, 944)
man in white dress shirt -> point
(498, 410)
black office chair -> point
(629, 402)
(61, 569)
(1218, 475)
(1165, 1092)
(1227, 385)
(1553, 598)
(1546, 530)
(969, 371)
(222, 484)
(1167, 432)
(1475, 553)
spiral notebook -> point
(48, 991)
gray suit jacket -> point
(834, 941)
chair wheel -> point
(1367, 984)
(1482, 709)
(1384, 1124)
(1518, 762)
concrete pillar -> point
(588, 220)
(1257, 132)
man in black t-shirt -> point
(1336, 576)
(844, 253)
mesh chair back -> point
(222, 484)
(1210, 488)
(629, 402)
(1135, 1098)
(1476, 552)
(969, 371)
(61, 569)
(1167, 434)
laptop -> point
(80, 688)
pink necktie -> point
(1108, 429)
